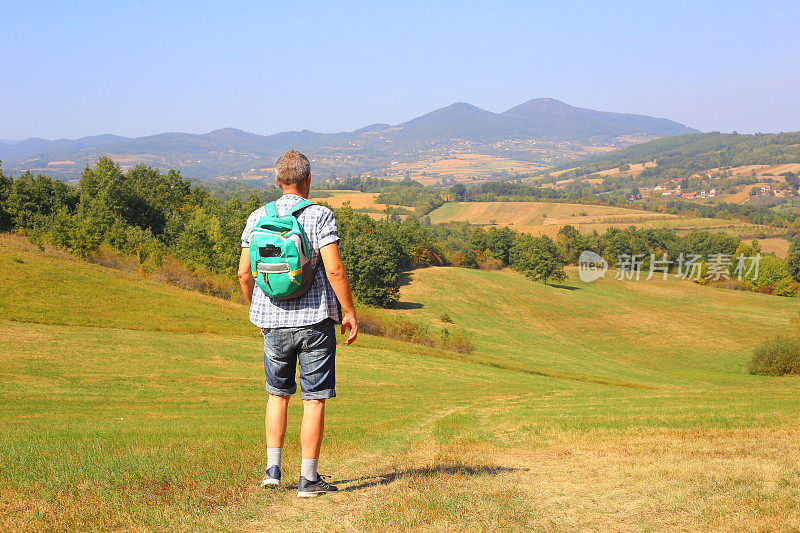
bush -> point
(490, 263)
(457, 342)
(732, 284)
(777, 357)
(375, 323)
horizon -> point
(135, 70)
(234, 128)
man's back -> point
(320, 301)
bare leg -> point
(312, 428)
(275, 420)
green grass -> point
(132, 405)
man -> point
(300, 330)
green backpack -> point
(280, 257)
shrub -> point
(777, 357)
(490, 263)
(765, 289)
(458, 342)
(445, 317)
(732, 284)
(394, 327)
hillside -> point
(701, 151)
(457, 128)
(131, 405)
(547, 117)
(546, 218)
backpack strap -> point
(299, 206)
(272, 211)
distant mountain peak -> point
(378, 126)
(231, 151)
(227, 130)
(553, 118)
(538, 105)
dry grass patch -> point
(775, 245)
(708, 480)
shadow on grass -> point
(404, 278)
(426, 472)
(567, 287)
(408, 305)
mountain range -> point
(523, 132)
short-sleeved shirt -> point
(320, 302)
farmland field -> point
(357, 199)
(546, 218)
(365, 201)
(775, 245)
(460, 167)
(607, 406)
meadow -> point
(546, 218)
(459, 167)
(615, 405)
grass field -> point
(460, 167)
(365, 201)
(605, 406)
(546, 218)
(357, 199)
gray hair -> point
(292, 168)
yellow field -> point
(546, 218)
(562, 183)
(543, 218)
(740, 196)
(461, 167)
(357, 199)
(775, 245)
(635, 170)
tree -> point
(499, 241)
(32, 200)
(571, 243)
(791, 179)
(373, 267)
(458, 192)
(538, 258)
(793, 260)
(774, 277)
(6, 221)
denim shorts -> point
(314, 347)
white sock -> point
(308, 468)
(274, 457)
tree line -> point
(149, 215)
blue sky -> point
(70, 69)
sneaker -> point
(309, 489)
(272, 477)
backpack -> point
(280, 258)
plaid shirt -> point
(320, 301)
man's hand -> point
(350, 322)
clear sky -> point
(70, 69)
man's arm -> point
(246, 280)
(334, 269)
